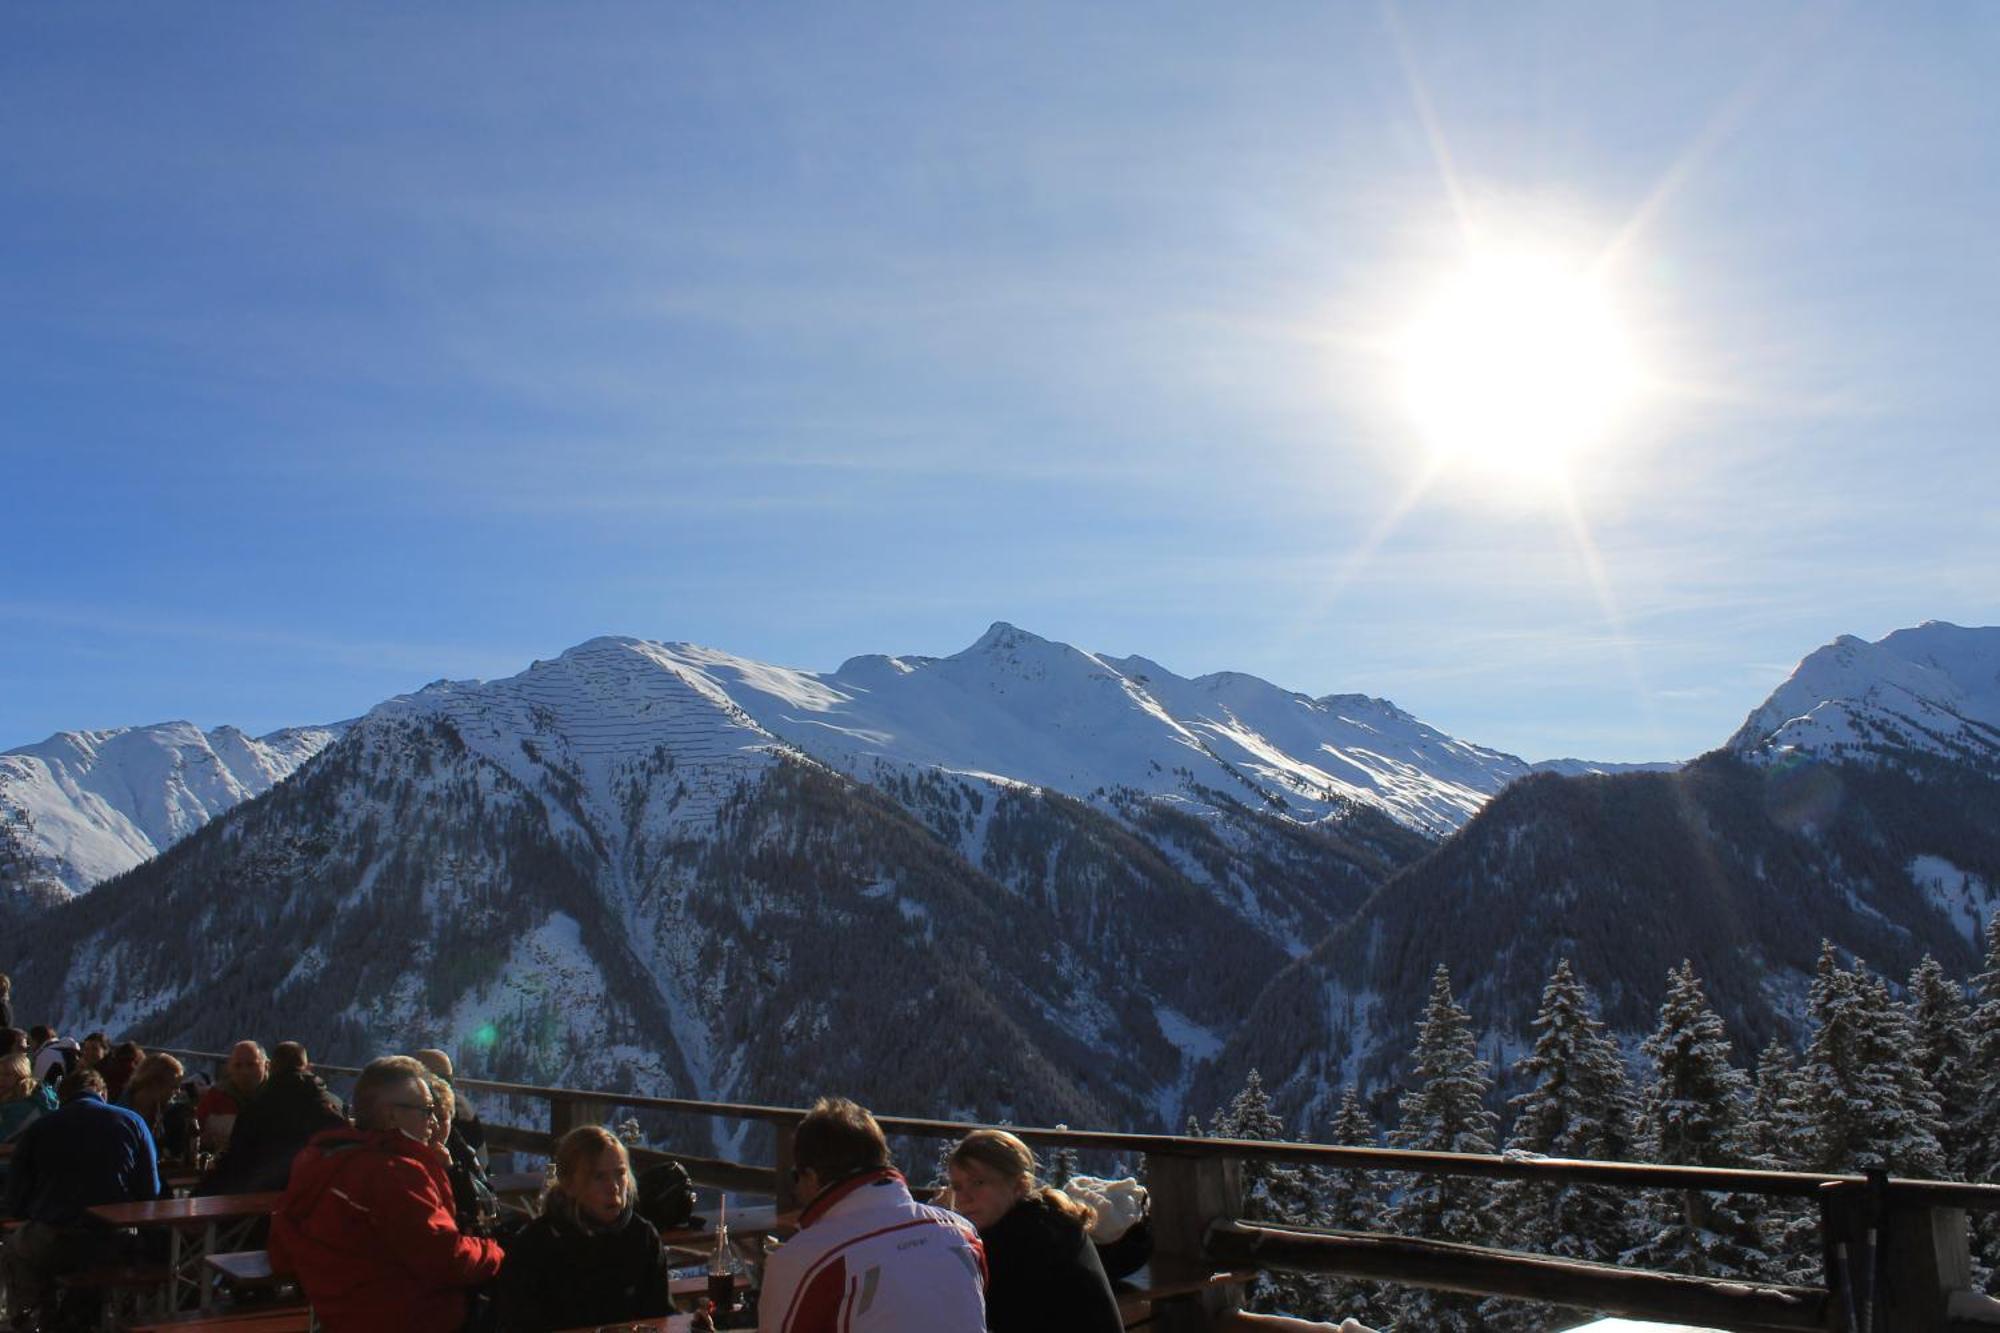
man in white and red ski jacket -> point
(868, 1258)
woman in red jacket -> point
(366, 1223)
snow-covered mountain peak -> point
(98, 802)
(1934, 687)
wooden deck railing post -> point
(1189, 1193)
(567, 1113)
(1891, 1265)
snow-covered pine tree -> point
(1693, 1114)
(1869, 1104)
(1576, 1105)
(1778, 1135)
(1445, 1111)
(1272, 1192)
(1942, 1022)
(1979, 1131)
(1353, 1201)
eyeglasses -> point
(428, 1108)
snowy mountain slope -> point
(604, 871)
(1012, 709)
(1933, 689)
(1023, 709)
(88, 805)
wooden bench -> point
(246, 1270)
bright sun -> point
(1515, 365)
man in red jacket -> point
(366, 1222)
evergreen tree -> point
(1870, 1106)
(1694, 1115)
(1272, 1192)
(1444, 1112)
(1979, 1130)
(1778, 1136)
(1352, 1200)
(1942, 1022)
(1576, 1105)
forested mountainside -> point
(630, 867)
(82, 806)
(602, 874)
(1741, 867)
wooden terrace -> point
(1896, 1251)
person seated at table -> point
(85, 1153)
(293, 1106)
(92, 1050)
(465, 1122)
(589, 1259)
(55, 1055)
(215, 1114)
(150, 1093)
(119, 1066)
(474, 1203)
(366, 1222)
(1045, 1273)
(924, 1267)
(23, 1098)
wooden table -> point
(196, 1228)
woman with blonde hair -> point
(150, 1091)
(589, 1259)
(1043, 1273)
(24, 1098)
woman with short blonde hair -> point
(589, 1259)
(1044, 1275)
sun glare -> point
(1515, 365)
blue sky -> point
(344, 347)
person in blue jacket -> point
(86, 1152)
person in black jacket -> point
(1043, 1274)
(589, 1259)
(474, 1203)
(292, 1106)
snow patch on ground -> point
(1965, 898)
(1195, 1041)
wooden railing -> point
(1896, 1250)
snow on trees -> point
(1445, 1111)
(1272, 1192)
(1868, 1103)
(1979, 1131)
(1353, 1201)
(1577, 1105)
(1694, 1114)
